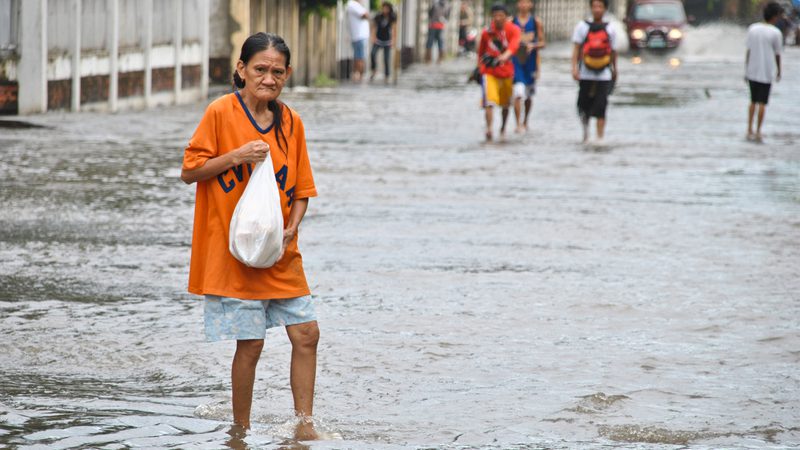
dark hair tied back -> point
(258, 43)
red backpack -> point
(597, 47)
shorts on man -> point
(435, 36)
(759, 92)
(497, 91)
(523, 90)
(593, 98)
(360, 49)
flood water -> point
(530, 293)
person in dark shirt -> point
(383, 33)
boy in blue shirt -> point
(526, 61)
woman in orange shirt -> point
(239, 130)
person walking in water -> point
(437, 17)
(499, 42)
(465, 19)
(382, 39)
(594, 66)
(764, 43)
(526, 61)
(239, 130)
(358, 21)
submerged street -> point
(532, 292)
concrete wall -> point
(105, 54)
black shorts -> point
(759, 92)
(593, 98)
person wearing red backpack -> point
(594, 66)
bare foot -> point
(304, 431)
(758, 138)
(237, 434)
(751, 136)
(488, 136)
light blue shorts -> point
(360, 49)
(231, 318)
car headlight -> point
(675, 34)
(638, 34)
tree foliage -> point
(320, 7)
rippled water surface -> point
(530, 293)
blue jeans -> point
(387, 52)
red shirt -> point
(493, 43)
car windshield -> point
(672, 12)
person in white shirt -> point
(764, 43)
(358, 19)
(594, 66)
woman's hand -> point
(252, 152)
(288, 234)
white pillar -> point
(177, 46)
(113, 55)
(205, 40)
(76, 55)
(147, 48)
(32, 76)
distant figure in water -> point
(764, 43)
(499, 42)
(527, 61)
(238, 131)
(383, 36)
(594, 67)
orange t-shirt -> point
(226, 126)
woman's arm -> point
(252, 152)
(299, 208)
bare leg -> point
(304, 338)
(761, 110)
(489, 109)
(427, 55)
(528, 107)
(585, 127)
(601, 128)
(504, 114)
(243, 375)
(518, 113)
(750, 113)
(359, 70)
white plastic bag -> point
(256, 230)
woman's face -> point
(387, 10)
(264, 75)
